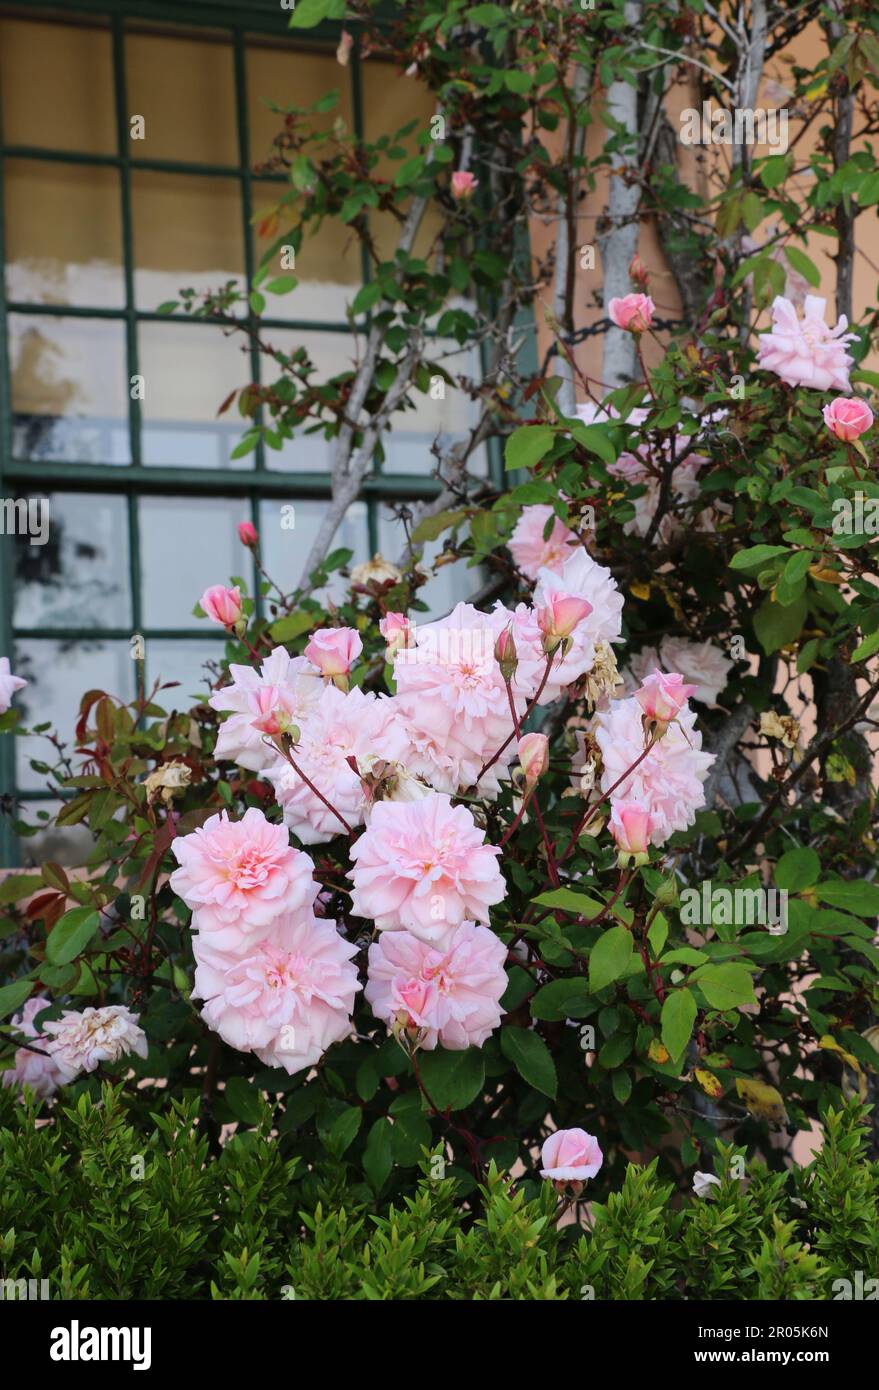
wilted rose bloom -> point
(333, 650)
(294, 686)
(356, 724)
(805, 352)
(82, 1041)
(634, 312)
(378, 570)
(668, 780)
(222, 605)
(396, 629)
(663, 696)
(533, 750)
(848, 418)
(464, 185)
(560, 614)
(343, 52)
(423, 866)
(448, 994)
(8, 684)
(703, 1183)
(531, 551)
(288, 999)
(36, 1069)
(240, 877)
(630, 826)
(701, 663)
(571, 1156)
(247, 533)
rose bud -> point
(662, 697)
(560, 615)
(570, 1157)
(222, 605)
(634, 312)
(847, 418)
(247, 534)
(505, 654)
(533, 752)
(333, 650)
(396, 629)
(630, 825)
(464, 185)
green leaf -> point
(776, 624)
(366, 297)
(562, 999)
(757, 556)
(433, 526)
(566, 900)
(244, 1100)
(531, 1058)
(596, 439)
(725, 986)
(19, 886)
(378, 1156)
(856, 896)
(453, 1079)
(609, 957)
(866, 648)
(344, 1129)
(803, 265)
(71, 934)
(797, 869)
(309, 13)
(285, 629)
(677, 1019)
(527, 446)
(13, 996)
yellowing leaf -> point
(764, 1102)
(657, 1051)
(709, 1083)
(639, 590)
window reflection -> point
(188, 371)
(80, 577)
(285, 547)
(186, 545)
(188, 234)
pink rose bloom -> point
(396, 629)
(423, 866)
(630, 826)
(848, 418)
(288, 999)
(8, 684)
(449, 994)
(700, 663)
(333, 650)
(266, 710)
(240, 877)
(464, 185)
(82, 1041)
(531, 551)
(35, 1069)
(339, 726)
(632, 470)
(668, 781)
(634, 312)
(805, 352)
(247, 534)
(533, 750)
(663, 696)
(294, 686)
(571, 1155)
(560, 614)
(222, 605)
(581, 576)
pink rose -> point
(32, 1066)
(630, 825)
(533, 752)
(805, 352)
(531, 551)
(396, 629)
(634, 312)
(333, 650)
(848, 418)
(638, 272)
(247, 533)
(559, 615)
(222, 605)
(571, 1156)
(8, 684)
(662, 696)
(464, 185)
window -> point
(99, 229)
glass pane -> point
(187, 544)
(185, 91)
(56, 86)
(69, 389)
(188, 234)
(448, 419)
(183, 659)
(59, 674)
(289, 78)
(332, 354)
(79, 577)
(83, 264)
(328, 265)
(188, 371)
(449, 585)
(66, 844)
(284, 549)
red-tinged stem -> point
(308, 782)
(550, 857)
(589, 813)
(533, 705)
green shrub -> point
(106, 1210)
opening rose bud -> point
(464, 185)
(396, 629)
(570, 1157)
(559, 616)
(333, 650)
(634, 312)
(847, 418)
(505, 654)
(222, 605)
(533, 752)
(247, 533)
(630, 825)
(662, 696)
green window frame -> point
(28, 476)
